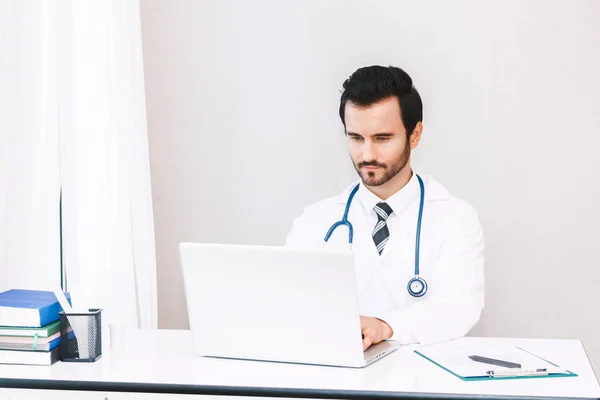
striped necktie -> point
(381, 233)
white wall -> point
(242, 110)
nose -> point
(369, 151)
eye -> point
(382, 138)
(356, 138)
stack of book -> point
(29, 327)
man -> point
(382, 115)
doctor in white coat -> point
(382, 115)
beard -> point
(369, 178)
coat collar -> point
(433, 190)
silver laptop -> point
(270, 303)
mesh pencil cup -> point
(81, 335)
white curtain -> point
(29, 158)
(73, 119)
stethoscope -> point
(417, 286)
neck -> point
(394, 185)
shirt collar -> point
(399, 201)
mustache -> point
(371, 164)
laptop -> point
(272, 303)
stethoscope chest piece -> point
(417, 286)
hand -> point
(374, 331)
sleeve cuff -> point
(401, 331)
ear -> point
(415, 136)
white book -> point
(29, 357)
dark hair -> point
(370, 85)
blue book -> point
(29, 308)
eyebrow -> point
(383, 134)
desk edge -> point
(167, 388)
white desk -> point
(161, 361)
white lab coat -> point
(451, 261)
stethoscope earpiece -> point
(417, 286)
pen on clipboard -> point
(493, 361)
(517, 372)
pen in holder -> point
(81, 335)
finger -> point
(373, 334)
(367, 341)
(369, 331)
(363, 322)
(364, 330)
(376, 335)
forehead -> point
(381, 117)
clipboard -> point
(453, 357)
